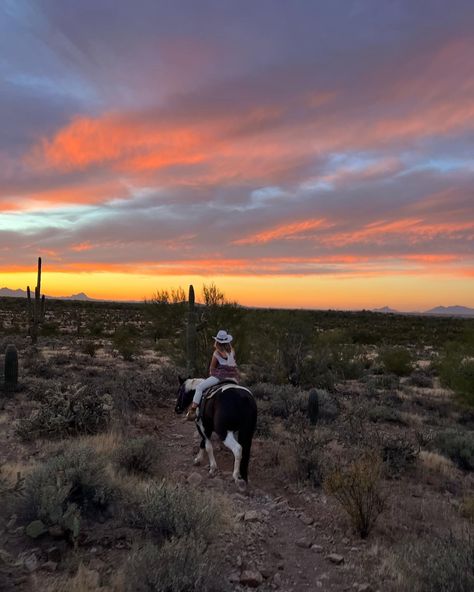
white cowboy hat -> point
(223, 337)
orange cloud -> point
(284, 231)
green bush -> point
(398, 453)
(421, 379)
(125, 341)
(397, 361)
(67, 488)
(381, 413)
(179, 565)
(458, 446)
(309, 457)
(437, 564)
(140, 456)
(67, 410)
(174, 510)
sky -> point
(314, 153)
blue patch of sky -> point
(440, 165)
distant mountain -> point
(452, 311)
(13, 293)
(385, 309)
(22, 294)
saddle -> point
(221, 386)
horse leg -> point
(236, 448)
(200, 455)
(206, 436)
(212, 460)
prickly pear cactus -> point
(313, 406)
(11, 368)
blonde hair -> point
(223, 347)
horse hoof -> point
(212, 472)
(241, 484)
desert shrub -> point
(264, 426)
(50, 329)
(358, 489)
(397, 360)
(35, 364)
(285, 401)
(309, 456)
(381, 413)
(67, 488)
(328, 407)
(421, 379)
(381, 382)
(168, 510)
(456, 367)
(437, 564)
(467, 508)
(398, 453)
(179, 565)
(458, 446)
(89, 348)
(140, 456)
(125, 341)
(67, 410)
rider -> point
(223, 367)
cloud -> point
(336, 142)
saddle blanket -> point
(223, 386)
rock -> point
(365, 588)
(251, 516)
(234, 578)
(31, 562)
(54, 554)
(277, 579)
(345, 541)
(251, 578)
(304, 542)
(50, 566)
(56, 531)
(267, 572)
(11, 523)
(335, 558)
(305, 519)
(35, 529)
(317, 548)
(91, 578)
(195, 479)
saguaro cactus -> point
(11, 368)
(191, 334)
(313, 406)
(36, 307)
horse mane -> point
(191, 383)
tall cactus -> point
(191, 334)
(313, 406)
(36, 307)
(11, 368)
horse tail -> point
(246, 433)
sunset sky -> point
(313, 153)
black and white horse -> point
(232, 409)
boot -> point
(191, 415)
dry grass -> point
(87, 580)
(432, 462)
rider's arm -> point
(213, 365)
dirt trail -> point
(289, 536)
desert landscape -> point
(361, 474)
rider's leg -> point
(202, 386)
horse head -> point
(184, 396)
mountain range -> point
(22, 294)
(448, 311)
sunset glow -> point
(301, 155)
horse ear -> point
(181, 380)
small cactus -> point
(11, 368)
(313, 406)
(191, 335)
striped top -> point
(226, 368)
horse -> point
(230, 408)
